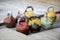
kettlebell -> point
(35, 24)
(28, 13)
(22, 26)
(18, 17)
(51, 14)
(46, 22)
(10, 21)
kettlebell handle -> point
(29, 7)
(50, 8)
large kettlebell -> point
(22, 26)
(35, 24)
(46, 22)
(51, 14)
(28, 13)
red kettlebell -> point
(10, 21)
(22, 26)
(19, 16)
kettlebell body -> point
(22, 26)
(35, 24)
(10, 22)
(29, 13)
(18, 17)
(46, 23)
(52, 16)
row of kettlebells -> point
(31, 22)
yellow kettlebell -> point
(38, 21)
(35, 24)
(28, 13)
(31, 21)
(35, 20)
(51, 14)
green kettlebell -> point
(46, 22)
